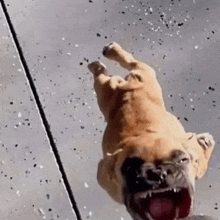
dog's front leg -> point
(105, 86)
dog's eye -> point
(183, 160)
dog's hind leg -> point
(138, 70)
(104, 85)
(115, 52)
(98, 68)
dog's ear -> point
(109, 172)
(107, 178)
(200, 147)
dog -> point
(150, 163)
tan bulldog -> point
(149, 162)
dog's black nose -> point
(140, 176)
(153, 175)
(159, 175)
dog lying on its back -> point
(149, 162)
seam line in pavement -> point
(41, 111)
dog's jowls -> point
(149, 162)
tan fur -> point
(138, 122)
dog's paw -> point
(205, 140)
(110, 50)
(97, 68)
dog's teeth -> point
(150, 194)
(177, 213)
(176, 190)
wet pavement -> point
(51, 127)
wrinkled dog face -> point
(158, 190)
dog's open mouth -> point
(169, 203)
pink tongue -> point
(160, 207)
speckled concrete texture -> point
(180, 39)
(30, 182)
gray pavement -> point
(51, 127)
(31, 185)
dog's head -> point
(157, 176)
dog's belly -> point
(135, 114)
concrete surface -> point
(180, 39)
(30, 182)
